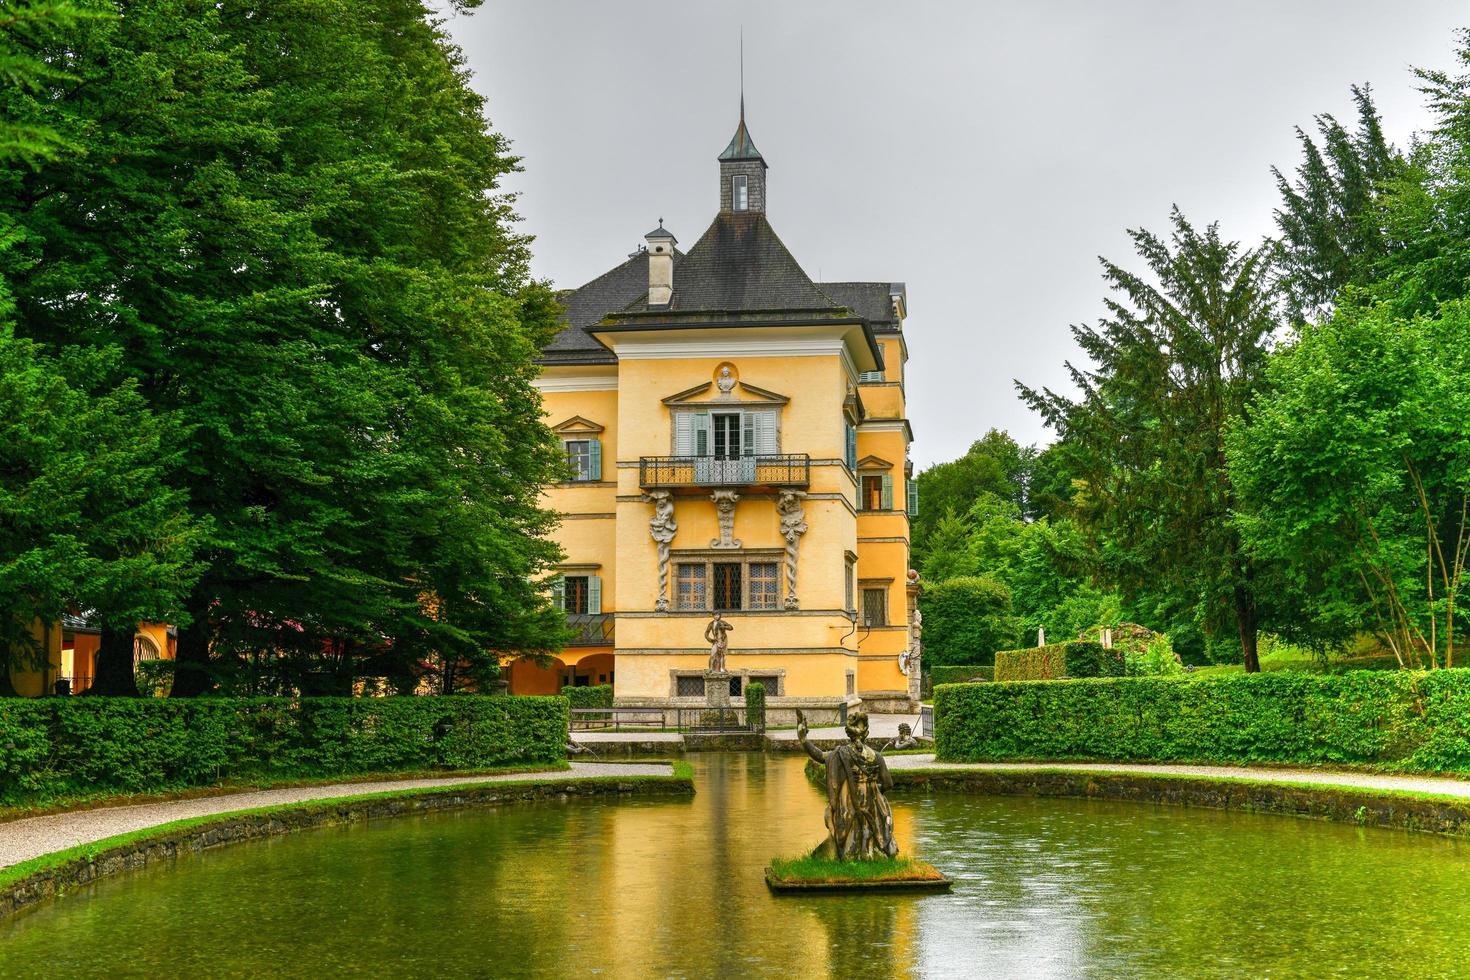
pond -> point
(674, 888)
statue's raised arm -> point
(816, 754)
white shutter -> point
(765, 434)
(594, 459)
(594, 594)
(683, 433)
(747, 433)
(701, 434)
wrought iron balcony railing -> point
(593, 630)
(788, 470)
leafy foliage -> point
(966, 620)
(594, 696)
(1418, 721)
(952, 674)
(755, 706)
(66, 748)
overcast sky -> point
(984, 153)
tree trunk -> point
(191, 667)
(113, 672)
(1245, 620)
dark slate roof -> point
(583, 307)
(741, 148)
(873, 301)
(740, 265)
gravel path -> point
(21, 840)
(1442, 785)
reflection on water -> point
(674, 888)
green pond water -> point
(1044, 888)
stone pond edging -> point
(1390, 809)
(170, 841)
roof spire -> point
(742, 74)
(741, 148)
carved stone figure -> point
(905, 738)
(793, 526)
(858, 817)
(726, 381)
(662, 529)
(725, 511)
(908, 663)
(718, 635)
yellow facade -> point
(671, 389)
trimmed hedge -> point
(1393, 720)
(1074, 658)
(755, 706)
(961, 675)
(65, 748)
(600, 696)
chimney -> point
(661, 244)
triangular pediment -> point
(740, 394)
(874, 463)
(576, 424)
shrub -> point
(155, 677)
(966, 620)
(64, 748)
(755, 706)
(1075, 658)
(961, 675)
(1406, 720)
(600, 696)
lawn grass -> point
(93, 801)
(682, 772)
(811, 869)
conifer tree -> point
(1174, 363)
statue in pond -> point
(859, 819)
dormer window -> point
(739, 198)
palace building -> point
(736, 441)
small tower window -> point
(738, 198)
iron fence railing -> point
(787, 470)
(696, 720)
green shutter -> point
(594, 594)
(887, 492)
(913, 495)
(852, 447)
(559, 593)
(594, 462)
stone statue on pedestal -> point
(858, 817)
(718, 635)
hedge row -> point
(1418, 721)
(600, 696)
(66, 748)
(1074, 658)
(961, 675)
(755, 706)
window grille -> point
(689, 687)
(772, 683)
(689, 587)
(727, 585)
(765, 585)
(869, 377)
(875, 607)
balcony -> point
(789, 470)
(592, 630)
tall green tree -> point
(87, 518)
(1178, 358)
(288, 219)
(1333, 228)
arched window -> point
(144, 649)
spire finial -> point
(742, 73)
